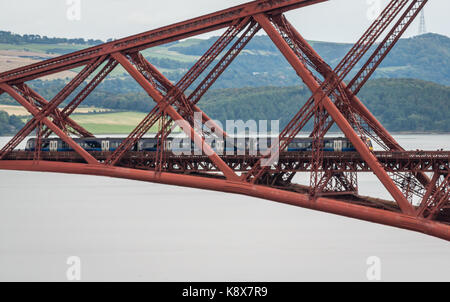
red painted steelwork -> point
(332, 98)
(174, 115)
(153, 38)
(309, 80)
(301, 200)
(34, 111)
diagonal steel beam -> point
(222, 65)
(51, 106)
(176, 95)
(380, 135)
(82, 95)
(341, 121)
(159, 99)
(436, 196)
(212, 77)
(386, 45)
(36, 113)
(308, 56)
(57, 115)
(175, 32)
(161, 80)
(369, 67)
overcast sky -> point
(335, 20)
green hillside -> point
(261, 85)
(425, 57)
(400, 104)
(9, 124)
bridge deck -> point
(408, 161)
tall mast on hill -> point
(422, 25)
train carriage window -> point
(306, 145)
(105, 145)
(53, 146)
(93, 144)
(338, 145)
(219, 145)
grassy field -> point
(97, 123)
(108, 122)
(18, 55)
(21, 111)
(111, 123)
(43, 48)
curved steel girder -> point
(322, 204)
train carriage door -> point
(53, 146)
(105, 146)
(253, 146)
(168, 144)
(338, 145)
(219, 147)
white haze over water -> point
(134, 231)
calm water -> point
(131, 231)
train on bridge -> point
(235, 145)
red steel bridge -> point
(418, 181)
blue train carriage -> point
(107, 144)
(187, 146)
(88, 144)
(180, 145)
(48, 145)
(330, 144)
(147, 144)
(251, 146)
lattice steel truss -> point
(420, 203)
